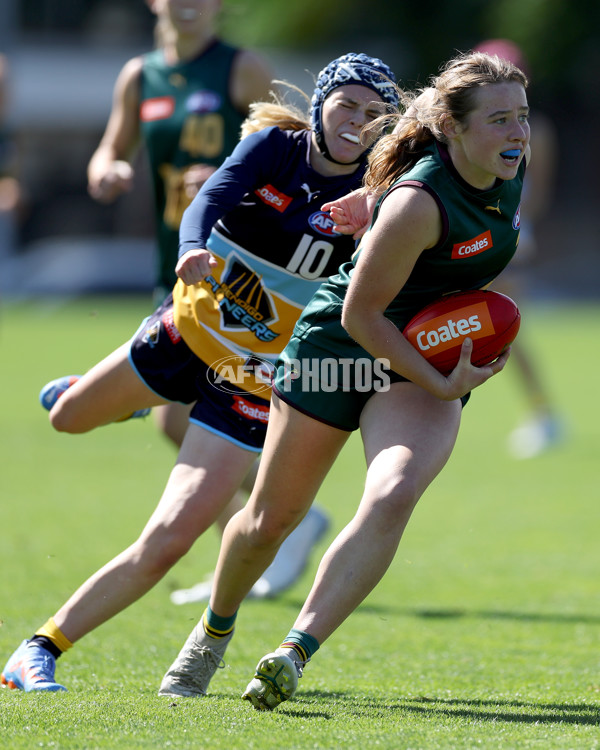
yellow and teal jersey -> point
(274, 246)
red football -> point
(489, 318)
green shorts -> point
(329, 388)
(326, 387)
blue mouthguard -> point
(512, 152)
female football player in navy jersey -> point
(460, 146)
(255, 245)
(184, 104)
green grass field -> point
(485, 633)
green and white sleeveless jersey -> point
(480, 235)
(186, 118)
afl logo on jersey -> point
(516, 222)
(323, 223)
(203, 101)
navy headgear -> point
(352, 68)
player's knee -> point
(65, 418)
(167, 557)
(269, 530)
(396, 499)
(159, 558)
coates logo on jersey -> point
(323, 223)
(159, 108)
(516, 222)
(203, 101)
(471, 247)
(250, 410)
(273, 197)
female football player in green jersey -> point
(461, 145)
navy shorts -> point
(165, 363)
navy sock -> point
(46, 643)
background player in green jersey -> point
(464, 136)
(185, 103)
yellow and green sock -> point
(216, 626)
(303, 644)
